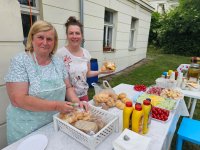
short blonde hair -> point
(41, 26)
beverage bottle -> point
(170, 72)
(127, 115)
(137, 119)
(179, 79)
(147, 115)
(150, 111)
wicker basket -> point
(112, 125)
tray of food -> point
(160, 114)
(175, 94)
(140, 87)
(105, 97)
(108, 66)
(156, 90)
(192, 86)
(89, 128)
(159, 101)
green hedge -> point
(178, 32)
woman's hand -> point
(106, 71)
(84, 105)
(64, 107)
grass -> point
(146, 72)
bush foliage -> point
(178, 32)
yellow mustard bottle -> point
(127, 115)
(147, 115)
(137, 119)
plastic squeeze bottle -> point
(127, 115)
(137, 119)
(147, 115)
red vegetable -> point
(140, 87)
(160, 114)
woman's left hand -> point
(106, 72)
(84, 105)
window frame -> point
(108, 38)
(133, 34)
(35, 10)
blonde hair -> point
(41, 26)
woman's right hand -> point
(64, 107)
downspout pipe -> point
(82, 18)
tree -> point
(179, 30)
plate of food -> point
(108, 66)
(156, 90)
(172, 93)
(159, 101)
(140, 87)
(192, 86)
(160, 114)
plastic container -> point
(147, 115)
(172, 76)
(193, 72)
(179, 79)
(170, 72)
(166, 83)
(93, 67)
(165, 74)
(112, 125)
(137, 119)
(127, 115)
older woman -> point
(77, 59)
(37, 83)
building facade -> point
(163, 6)
(115, 30)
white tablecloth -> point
(160, 133)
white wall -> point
(94, 21)
(94, 24)
(11, 38)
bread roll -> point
(120, 105)
(69, 117)
(86, 126)
(122, 95)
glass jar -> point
(193, 72)
(195, 60)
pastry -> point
(69, 117)
(101, 97)
(124, 100)
(103, 68)
(108, 66)
(122, 95)
(86, 126)
(110, 102)
(104, 106)
(120, 105)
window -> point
(28, 14)
(108, 31)
(132, 37)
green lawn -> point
(146, 73)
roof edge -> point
(144, 5)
